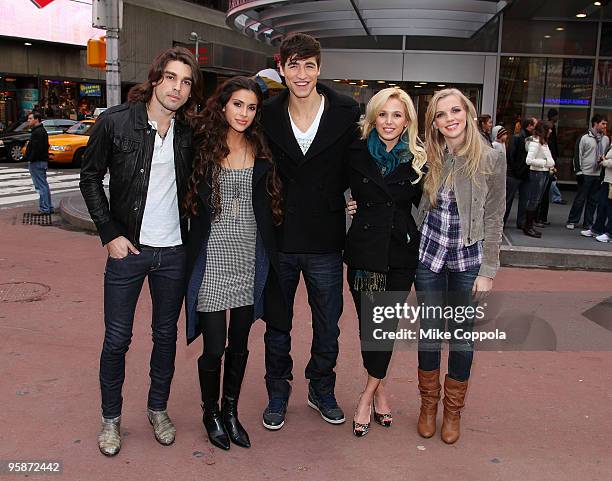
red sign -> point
(41, 3)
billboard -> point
(60, 21)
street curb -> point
(515, 256)
(73, 212)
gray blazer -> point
(481, 203)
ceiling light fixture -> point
(336, 80)
(27, 44)
(581, 15)
(559, 29)
(546, 36)
(441, 85)
(597, 4)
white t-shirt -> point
(304, 139)
(161, 224)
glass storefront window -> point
(530, 87)
(603, 89)
(548, 37)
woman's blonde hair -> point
(376, 104)
(471, 150)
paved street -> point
(529, 415)
(16, 186)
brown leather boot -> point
(429, 386)
(454, 396)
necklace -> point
(236, 188)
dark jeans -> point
(38, 171)
(587, 192)
(545, 201)
(323, 278)
(603, 224)
(537, 185)
(377, 361)
(513, 186)
(445, 289)
(165, 269)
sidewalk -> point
(559, 247)
(529, 415)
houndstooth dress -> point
(229, 276)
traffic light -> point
(96, 52)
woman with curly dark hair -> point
(234, 203)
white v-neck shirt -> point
(304, 139)
(161, 224)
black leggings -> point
(376, 355)
(216, 335)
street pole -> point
(107, 14)
(194, 37)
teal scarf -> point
(387, 162)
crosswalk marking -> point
(16, 184)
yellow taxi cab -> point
(68, 148)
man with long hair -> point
(145, 144)
(309, 128)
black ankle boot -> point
(233, 373)
(209, 387)
(528, 227)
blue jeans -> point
(446, 288)
(603, 224)
(587, 192)
(512, 186)
(555, 193)
(123, 279)
(38, 171)
(323, 278)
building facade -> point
(513, 59)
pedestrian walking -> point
(540, 162)
(461, 220)
(500, 142)
(517, 173)
(234, 203)
(602, 228)
(37, 157)
(485, 124)
(309, 128)
(591, 149)
(385, 169)
(145, 144)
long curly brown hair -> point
(144, 91)
(210, 140)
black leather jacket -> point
(122, 141)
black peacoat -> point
(270, 303)
(383, 233)
(313, 184)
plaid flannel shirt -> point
(441, 243)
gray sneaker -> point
(109, 439)
(164, 430)
(327, 406)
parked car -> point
(14, 139)
(68, 148)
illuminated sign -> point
(559, 101)
(60, 21)
(41, 3)
(90, 90)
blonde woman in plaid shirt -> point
(461, 220)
